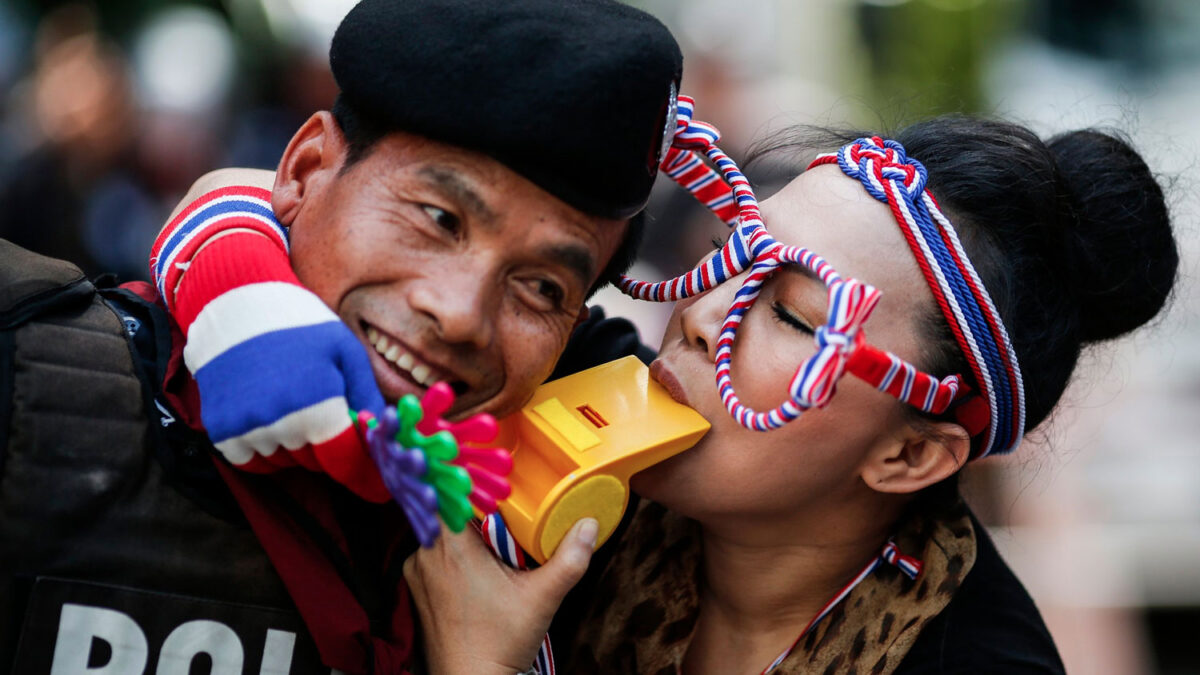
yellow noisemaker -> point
(577, 442)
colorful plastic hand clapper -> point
(427, 466)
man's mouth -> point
(408, 365)
(406, 362)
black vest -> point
(114, 527)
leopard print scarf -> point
(647, 602)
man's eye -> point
(782, 315)
(444, 219)
(551, 291)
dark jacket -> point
(990, 626)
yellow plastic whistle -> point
(577, 442)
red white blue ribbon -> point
(497, 537)
(750, 249)
(911, 567)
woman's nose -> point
(702, 316)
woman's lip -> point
(663, 375)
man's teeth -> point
(421, 374)
(403, 360)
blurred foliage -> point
(117, 18)
(926, 57)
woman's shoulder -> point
(991, 625)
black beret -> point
(572, 94)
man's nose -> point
(458, 303)
(702, 318)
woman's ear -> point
(313, 157)
(927, 455)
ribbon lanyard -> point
(911, 567)
(497, 537)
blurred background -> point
(109, 110)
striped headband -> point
(891, 177)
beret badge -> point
(669, 121)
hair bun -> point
(1120, 256)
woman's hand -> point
(479, 616)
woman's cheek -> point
(762, 369)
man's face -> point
(446, 264)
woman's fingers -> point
(551, 582)
(478, 615)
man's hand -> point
(480, 617)
(277, 370)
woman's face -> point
(816, 460)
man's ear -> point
(924, 457)
(312, 158)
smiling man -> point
(445, 221)
(494, 270)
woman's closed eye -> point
(785, 316)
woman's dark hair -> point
(1071, 236)
(363, 131)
